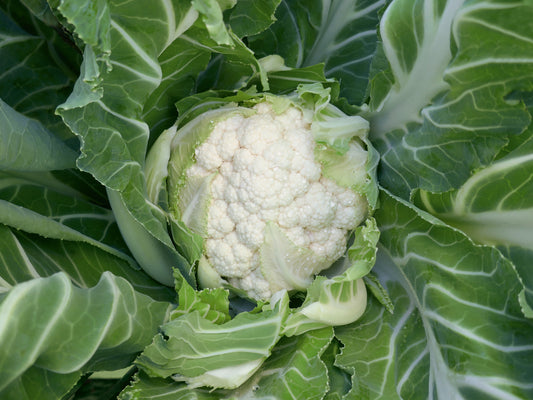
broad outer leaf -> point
(27, 256)
(26, 145)
(438, 103)
(339, 382)
(250, 17)
(144, 387)
(180, 64)
(49, 323)
(495, 207)
(38, 64)
(293, 371)
(119, 71)
(457, 331)
(341, 34)
(54, 210)
(54, 226)
(42, 384)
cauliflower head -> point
(264, 172)
(263, 194)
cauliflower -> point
(263, 192)
(265, 172)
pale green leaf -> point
(211, 304)
(202, 353)
(69, 330)
(293, 371)
(144, 387)
(57, 212)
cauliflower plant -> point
(269, 190)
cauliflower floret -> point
(317, 207)
(263, 108)
(226, 169)
(289, 217)
(219, 187)
(197, 170)
(276, 154)
(328, 243)
(261, 189)
(244, 159)
(230, 194)
(207, 156)
(228, 145)
(348, 216)
(220, 255)
(298, 236)
(298, 184)
(292, 119)
(229, 256)
(254, 284)
(267, 173)
(218, 221)
(237, 212)
(250, 231)
(258, 132)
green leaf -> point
(57, 212)
(202, 353)
(284, 81)
(340, 34)
(26, 256)
(233, 65)
(119, 71)
(211, 304)
(495, 207)
(457, 323)
(41, 10)
(293, 371)
(456, 64)
(58, 228)
(211, 13)
(39, 383)
(38, 64)
(379, 292)
(339, 382)
(180, 65)
(250, 17)
(521, 258)
(384, 351)
(193, 202)
(96, 35)
(69, 330)
(26, 145)
(285, 265)
(156, 258)
(348, 169)
(144, 387)
(188, 243)
(339, 297)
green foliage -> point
(86, 87)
